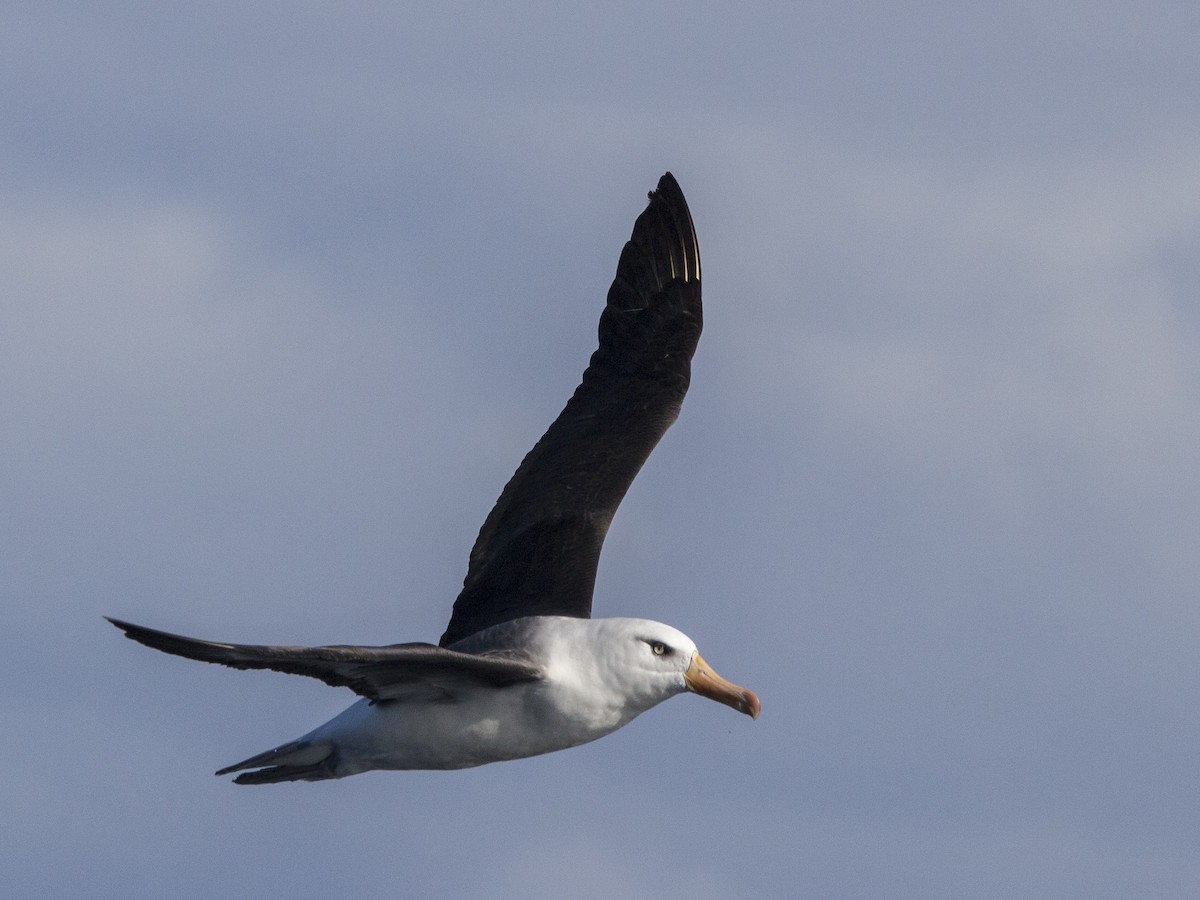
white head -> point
(652, 661)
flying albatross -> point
(522, 668)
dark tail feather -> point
(275, 774)
(295, 761)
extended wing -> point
(397, 672)
(537, 552)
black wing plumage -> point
(537, 552)
(396, 672)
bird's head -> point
(668, 658)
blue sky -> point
(291, 288)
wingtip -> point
(673, 205)
(668, 189)
(138, 633)
(119, 623)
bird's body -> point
(522, 668)
(582, 695)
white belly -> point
(487, 726)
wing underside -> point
(396, 672)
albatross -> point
(523, 669)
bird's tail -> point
(295, 761)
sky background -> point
(290, 288)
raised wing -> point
(397, 672)
(537, 552)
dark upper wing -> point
(401, 671)
(538, 549)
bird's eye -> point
(659, 648)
